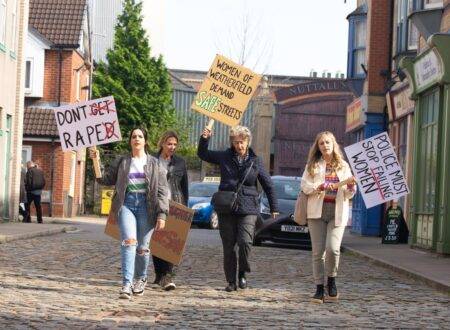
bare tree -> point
(247, 44)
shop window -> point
(427, 167)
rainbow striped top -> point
(136, 176)
(330, 178)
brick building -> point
(58, 72)
(368, 62)
(13, 27)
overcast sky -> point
(289, 37)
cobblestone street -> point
(73, 279)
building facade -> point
(58, 72)
(303, 111)
(428, 78)
(13, 27)
(368, 62)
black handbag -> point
(225, 201)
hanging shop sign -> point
(354, 116)
(428, 70)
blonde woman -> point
(327, 209)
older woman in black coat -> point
(238, 226)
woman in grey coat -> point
(140, 204)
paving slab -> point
(431, 268)
(12, 231)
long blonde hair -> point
(315, 155)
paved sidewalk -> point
(429, 267)
(12, 231)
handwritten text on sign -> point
(87, 124)
(226, 91)
(168, 244)
(375, 165)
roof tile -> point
(60, 21)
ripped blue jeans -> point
(135, 233)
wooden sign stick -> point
(96, 162)
(210, 124)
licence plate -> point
(294, 229)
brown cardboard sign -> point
(226, 91)
(169, 243)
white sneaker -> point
(139, 286)
(125, 293)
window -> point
(14, 25)
(77, 85)
(28, 74)
(2, 24)
(358, 51)
(407, 33)
(429, 4)
(26, 154)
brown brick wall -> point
(42, 155)
(378, 35)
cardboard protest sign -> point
(87, 124)
(169, 243)
(226, 91)
(376, 168)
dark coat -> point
(23, 192)
(231, 172)
(34, 174)
(177, 177)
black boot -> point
(231, 287)
(332, 290)
(318, 297)
(158, 277)
(242, 280)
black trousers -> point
(36, 199)
(236, 230)
(162, 267)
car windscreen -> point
(202, 189)
(286, 189)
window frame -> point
(31, 61)
(3, 15)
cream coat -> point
(315, 202)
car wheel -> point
(214, 221)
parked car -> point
(200, 194)
(283, 229)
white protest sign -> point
(88, 124)
(376, 168)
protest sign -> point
(375, 166)
(226, 91)
(87, 124)
(169, 243)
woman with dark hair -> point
(329, 184)
(140, 203)
(239, 167)
(177, 178)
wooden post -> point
(96, 162)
